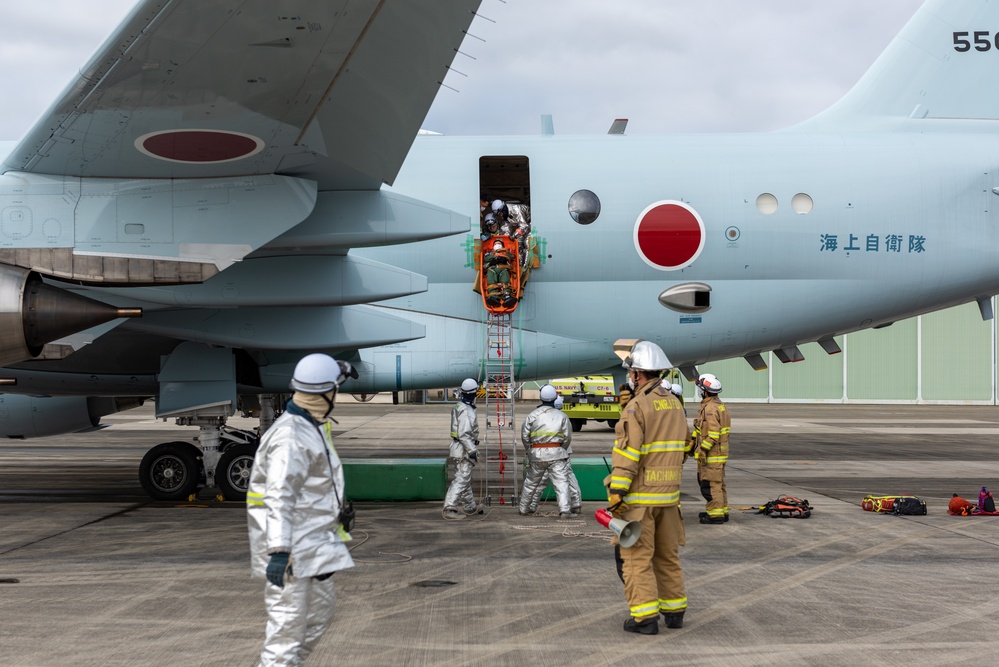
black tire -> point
(170, 471)
(612, 423)
(232, 475)
(576, 423)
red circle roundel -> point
(669, 235)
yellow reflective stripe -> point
(653, 498)
(646, 609)
(664, 446)
(672, 605)
(454, 434)
(716, 459)
(716, 512)
(625, 453)
(254, 499)
(726, 430)
(545, 434)
(714, 434)
(620, 483)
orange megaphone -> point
(628, 532)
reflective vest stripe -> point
(653, 498)
(677, 604)
(645, 609)
(620, 483)
(627, 453)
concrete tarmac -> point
(93, 573)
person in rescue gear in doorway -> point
(499, 262)
(297, 517)
(463, 453)
(709, 446)
(546, 435)
(644, 486)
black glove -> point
(347, 515)
(276, 567)
(473, 457)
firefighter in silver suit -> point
(546, 435)
(295, 504)
(575, 496)
(463, 453)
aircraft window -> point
(801, 203)
(766, 203)
(584, 206)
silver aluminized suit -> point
(464, 442)
(546, 435)
(292, 507)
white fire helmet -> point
(317, 374)
(647, 356)
(548, 394)
(709, 384)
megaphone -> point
(628, 532)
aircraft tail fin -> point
(944, 64)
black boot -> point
(649, 626)
(710, 520)
(673, 620)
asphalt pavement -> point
(94, 573)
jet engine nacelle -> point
(33, 313)
(25, 417)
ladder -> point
(499, 481)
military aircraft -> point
(183, 231)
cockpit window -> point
(584, 207)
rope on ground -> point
(565, 529)
(403, 557)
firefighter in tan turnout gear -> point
(709, 446)
(651, 439)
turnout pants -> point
(653, 578)
(297, 617)
(711, 478)
(459, 494)
(575, 497)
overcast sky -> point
(666, 65)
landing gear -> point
(222, 458)
(170, 471)
(233, 471)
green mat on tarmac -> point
(426, 479)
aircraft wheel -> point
(170, 471)
(233, 472)
(577, 424)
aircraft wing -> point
(331, 91)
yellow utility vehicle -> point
(590, 397)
